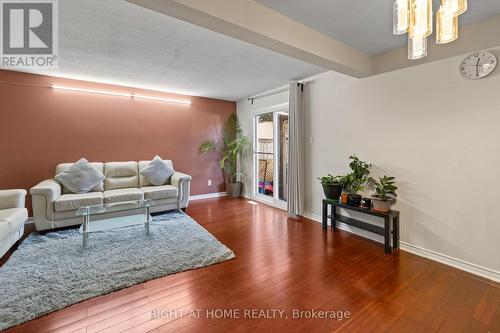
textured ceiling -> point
(365, 25)
(114, 41)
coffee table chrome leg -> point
(148, 216)
(85, 231)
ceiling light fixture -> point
(446, 25)
(129, 95)
(415, 18)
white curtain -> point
(296, 149)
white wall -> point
(436, 132)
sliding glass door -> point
(271, 156)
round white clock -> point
(478, 65)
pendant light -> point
(457, 6)
(415, 17)
(446, 25)
(401, 16)
(420, 19)
(417, 48)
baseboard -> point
(207, 196)
(420, 251)
(453, 262)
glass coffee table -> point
(90, 212)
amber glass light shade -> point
(420, 19)
(446, 25)
(457, 6)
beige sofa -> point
(55, 207)
(13, 216)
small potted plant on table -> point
(385, 196)
(352, 186)
(332, 186)
(355, 181)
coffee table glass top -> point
(113, 207)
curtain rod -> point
(271, 93)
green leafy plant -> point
(360, 169)
(359, 177)
(228, 145)
(386, 188)
(330, 180)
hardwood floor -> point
(286, 264)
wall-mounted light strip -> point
(130, 95)
(168, 100)
(102, 92)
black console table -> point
(392, 216)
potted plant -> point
(385, 196)
(355, 181)
(332, 186)
(228, 145)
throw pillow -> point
(157, 172)
(81, 177)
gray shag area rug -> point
(52, 271)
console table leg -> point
(387, 235)
(395, 232)
(334, 219)
(324, 215)
(85, 231)
(148, 215)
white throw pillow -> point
(81, 177)
(157, 172)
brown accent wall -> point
(41, 127)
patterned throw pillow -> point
(157, 172)
(81, 177)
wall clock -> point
(478, 65)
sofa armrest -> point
(178, 178)
(183, 184)
(49, 188)
(12, 199)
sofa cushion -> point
(11, 220)
(159, 192)
(96, 165)
(81, 177)
(121, 175)
(4, 231)
(143, 181)
(157, 172)
(74, 201)
(123, 194)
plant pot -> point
(354, 200)
(233, 190)
(332, 191)
(344, 198)
(381, 205)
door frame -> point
(273, 201)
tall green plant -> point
(356, 180)
(228, 145)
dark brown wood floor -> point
(283, 263)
